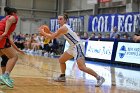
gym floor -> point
(35, 74)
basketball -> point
(46, 29)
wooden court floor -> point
(35, 74)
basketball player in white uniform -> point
(75, 50)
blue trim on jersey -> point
(79, 52)
(70, 37)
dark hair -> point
(9, 10)
(66, 17)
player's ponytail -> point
(66, 17)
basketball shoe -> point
(6, 79)
(61, 78)
(100, 81)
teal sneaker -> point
(12, 81)
(1, 83)
(6, 80)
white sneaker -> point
(31, 51)
(60, 79)
(28, 50)
(46, 54)
(51, 55)
(100, 81)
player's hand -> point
(21, 52)
(136, 38)
(41, 31)
(2, 36)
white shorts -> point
(77, 51)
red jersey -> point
(2, 29)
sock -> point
(6, 74)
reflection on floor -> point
(34, 74)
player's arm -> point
(15, 47)
(9, 22)
(62, 30)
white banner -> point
(128, 52)
(99, 49)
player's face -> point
(61, 20)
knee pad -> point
(4, 60)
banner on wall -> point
(1, 17)
(54, 24)
(128, 52)
(76, 23)
(99, 49)
(124, 22)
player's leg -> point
(81, 65)
(3, 65)
(63, 58)
(11, 54)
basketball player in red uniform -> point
(7, 26)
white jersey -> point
(71, 36)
